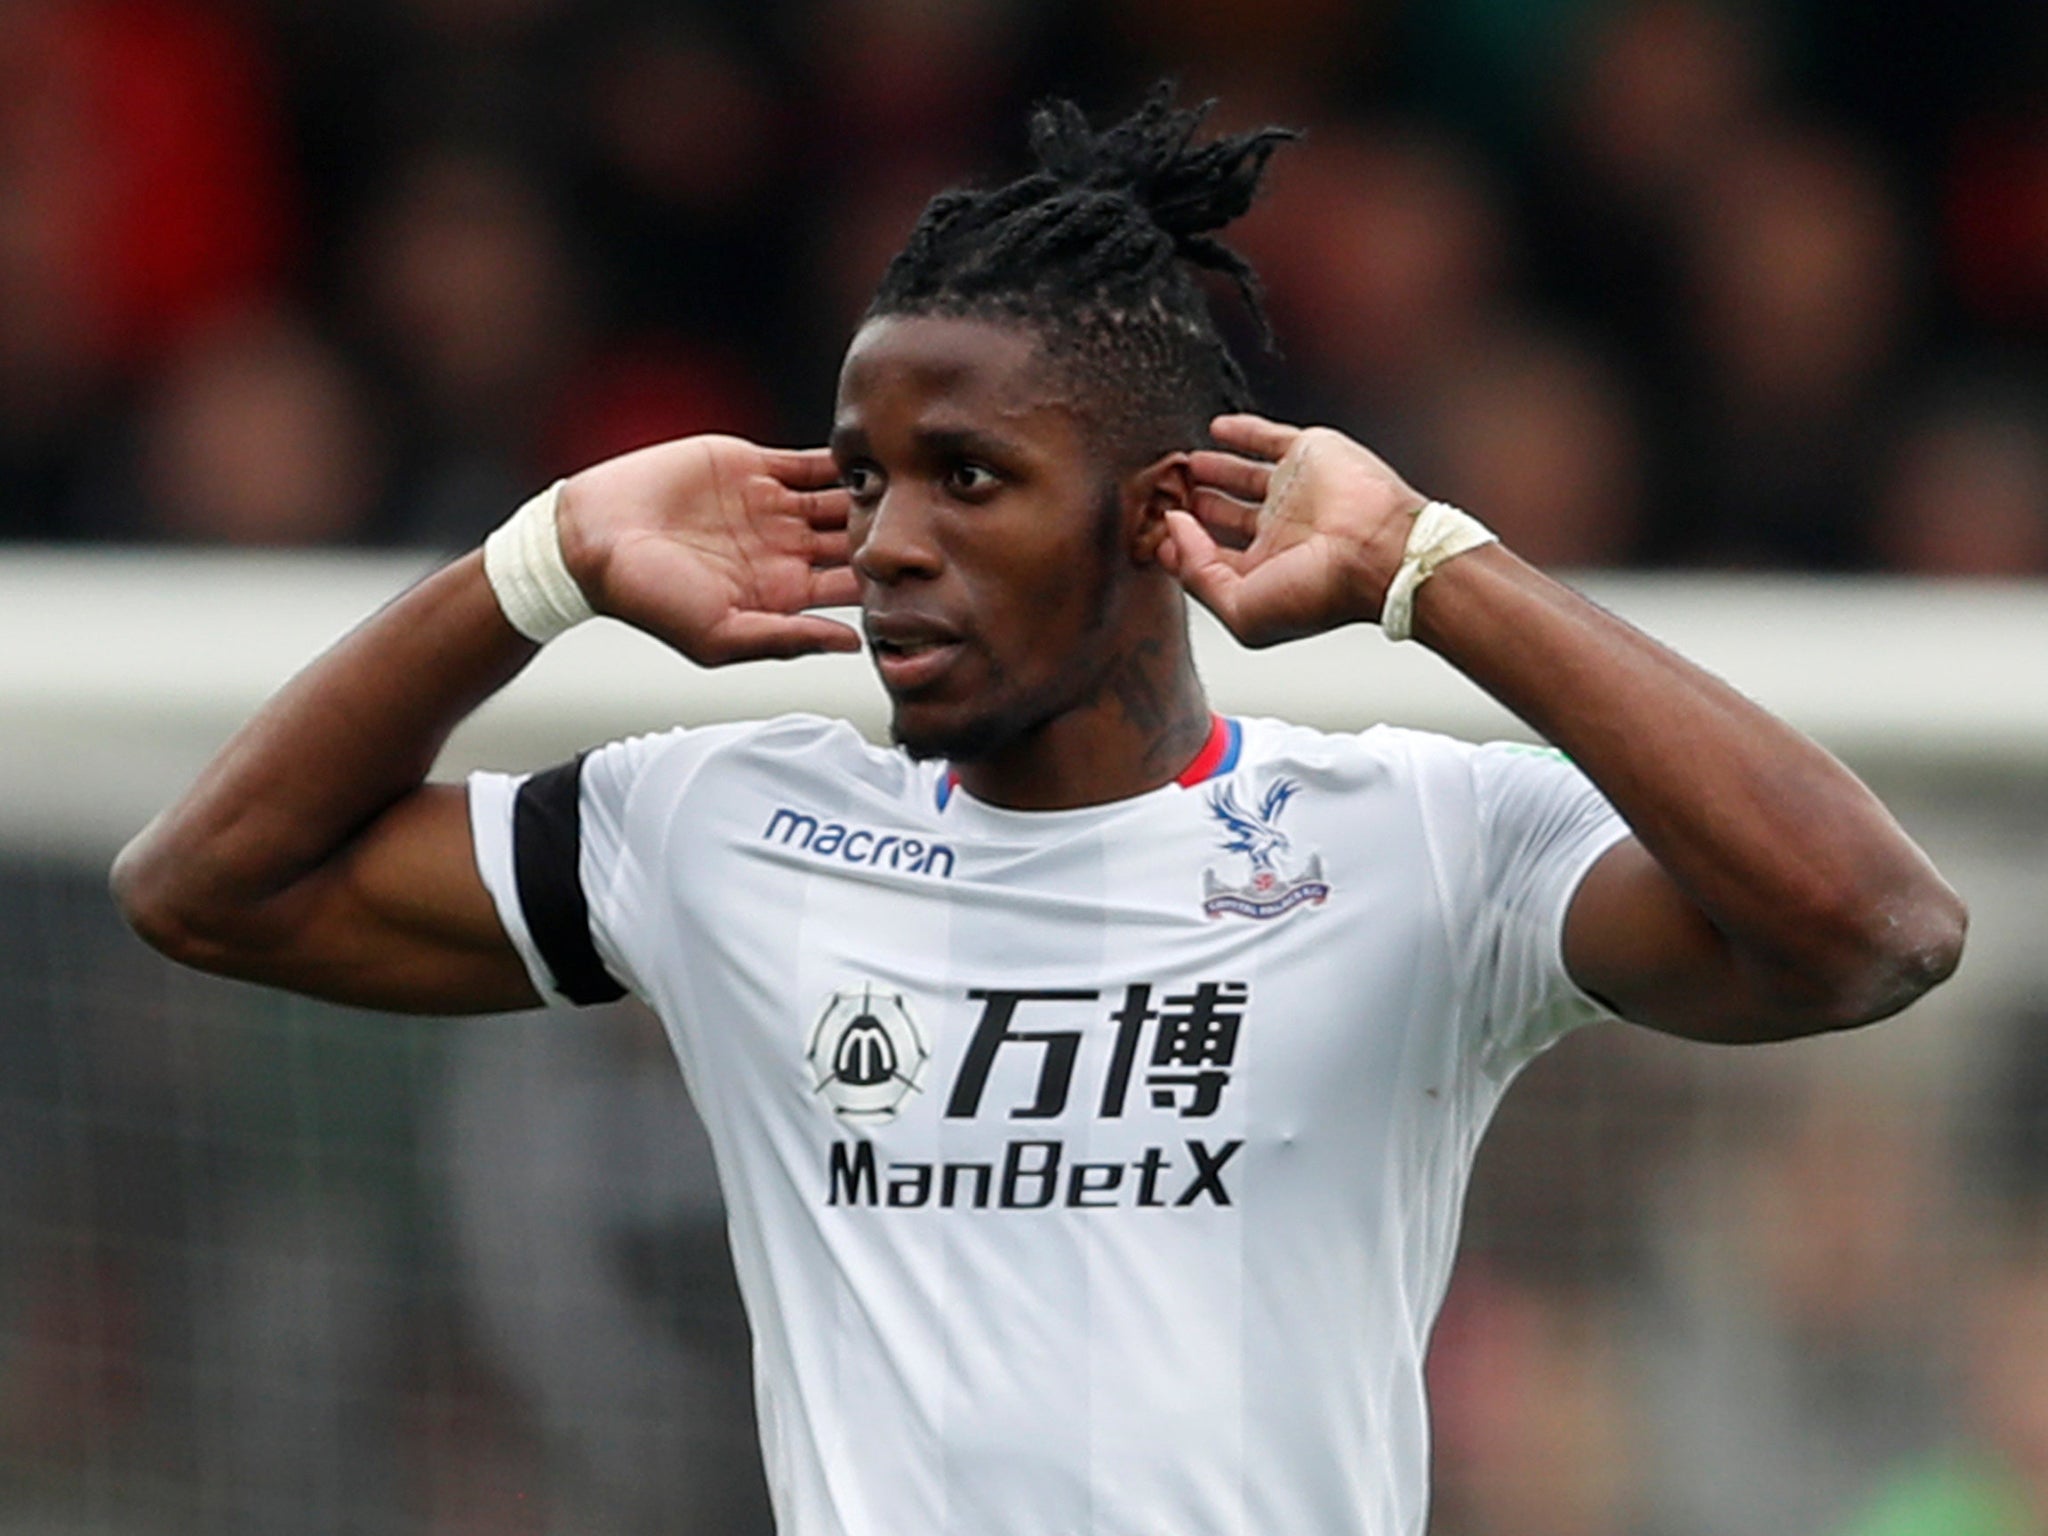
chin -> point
(961, 740)
(960, 744)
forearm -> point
(311, 854)
(1791, 859)
(1766, 892)
(341, 743)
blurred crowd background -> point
(1646, 283)
(1675, 283)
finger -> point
(1209, 573)
(1229, 521)
(835, 588)
(1243, 478)
(829, 549)
(750, 636)
(1200, 547)
(1248, 433)
(801, 469)
(822, 509)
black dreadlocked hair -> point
(1095, 251)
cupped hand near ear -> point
(1294, 530)
(715, 545)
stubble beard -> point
(979, 736)
(1010, 721)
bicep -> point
(1638, 943)
(399, 919)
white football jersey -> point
(1091, 1172)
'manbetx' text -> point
(1032, 1176)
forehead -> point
(976, 372)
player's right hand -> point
(715, 545)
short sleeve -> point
(1541, 826)
(555, 850)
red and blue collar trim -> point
(1218, 756)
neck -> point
(1146, 720)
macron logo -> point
(857, 845)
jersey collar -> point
(1217, 757)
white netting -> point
(268, 1265)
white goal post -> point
(120, 672)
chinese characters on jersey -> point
(1187, 1041)
(1161, 1049)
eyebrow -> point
(937, 442)
(966, 442)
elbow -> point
(185, 903)
(1894, 949)
(139, 897)
(148, 896)
(1934, 947)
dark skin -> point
(1025, 604)
(1055, 668)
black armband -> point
(547, 842)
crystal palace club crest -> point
(1275, 886)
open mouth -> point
(910, 656)
(883, 647)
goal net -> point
(269, 1265)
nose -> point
(892, 540)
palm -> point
(1294, 580)
(1293, 533)
(716, 546)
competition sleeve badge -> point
(866, 1054)
(1274, 886)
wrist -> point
(1466, 604)
(1438, 533)
(524, 564)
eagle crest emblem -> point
(1275, 886)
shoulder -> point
(761, 745)
(799, 752)
(1384, 756)
(1402, 753)
(1459, 791)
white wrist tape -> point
(1440, 532)
(523, 561)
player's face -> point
(989, 539)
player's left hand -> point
(1294, 530)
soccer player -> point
(1094, 1079)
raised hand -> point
(1294, 530)
(714, 545)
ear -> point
(1165, 485)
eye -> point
(971, 480)
(862, 481)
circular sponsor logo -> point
(866, 1054)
